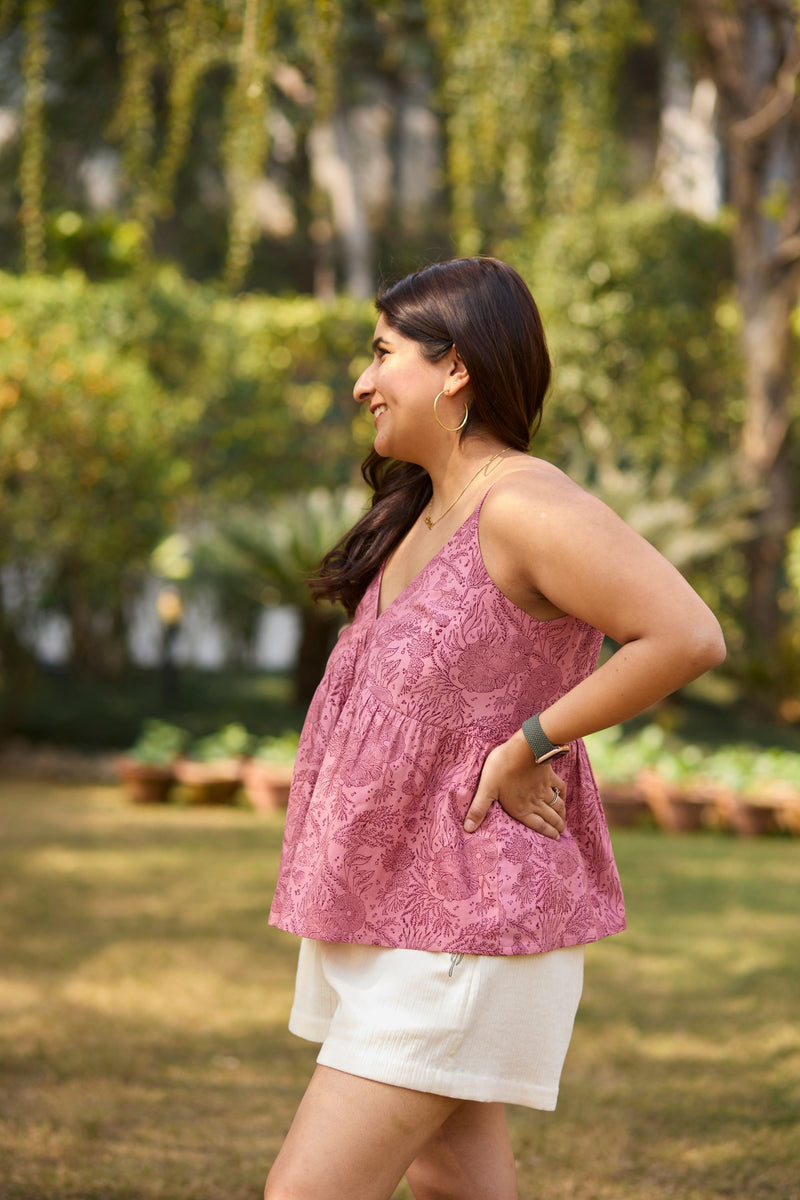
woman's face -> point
(400, 386)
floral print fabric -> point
(412, 701)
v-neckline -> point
(380, 612)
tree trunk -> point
(318, 633)
(754, 57)
(17, 670)
(335, 172)
(98, 637)
(765, 457)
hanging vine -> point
(496, 93)
(327, 24)
(193, 46)
(247, 134)
(134, 120)
(525, 89)
(591, 37)
(34, 137)
(319, 27)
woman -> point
(446, 856)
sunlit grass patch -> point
(143, 1006)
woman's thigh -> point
(353, 1138)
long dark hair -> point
(484, 308)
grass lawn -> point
(143, 1005)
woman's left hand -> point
(525, 790)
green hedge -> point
(125, 406)
(131, 405)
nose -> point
(363, 389)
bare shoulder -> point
(536, 520)
(553, 547)
(533, 498)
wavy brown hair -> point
(483, 307)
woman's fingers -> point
(546, 816)
(479, 807)
(535, 804)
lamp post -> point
(169, 607)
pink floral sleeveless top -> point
(412, 700)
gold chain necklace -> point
(485, 467)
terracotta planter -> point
(209, 782)
(266, 784)
(145, 783)
(787, 815)
(624, 804)
(752, 818)
(675, 810)
(774, 806)
(784, 801)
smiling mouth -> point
(379, 411)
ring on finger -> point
(556, 797)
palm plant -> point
(267, 557)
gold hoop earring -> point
(449, 428)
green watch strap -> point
(536, 738)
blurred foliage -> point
(231, 741)
(747, 770)
(127, 407)
(32, 160)
(183, 108)
(254, 557)
(159, 743)
(281, 749)
(166, 55)
(173, 407)
(270, 553)
(134, 133)
(173, 115)
(528, 90)
(647, 369)
(100, 246)
(269, 382)
(248, 132)
(87, 469)
(62, 707)
(648, 391)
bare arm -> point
(546, 539)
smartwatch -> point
(543, 749)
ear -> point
(458, 375)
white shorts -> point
(470, 1026)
